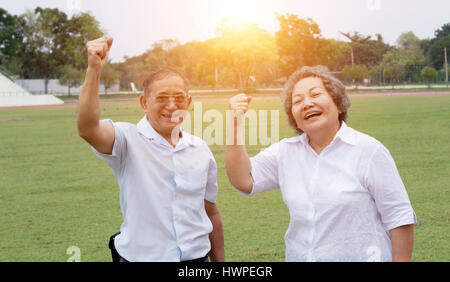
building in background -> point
(12, 94)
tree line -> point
(46, 43)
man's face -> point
(165, 104)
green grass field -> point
(55, 193)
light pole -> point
(446, 66)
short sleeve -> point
(114, 160)
(211, 182)
(388, 191)
(265, 169)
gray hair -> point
(162, 73)
(333, 86)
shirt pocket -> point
(196, 177)
(193, 188)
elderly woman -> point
(345, 197)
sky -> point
(137, 24)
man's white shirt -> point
(342, 203)
(162, 193)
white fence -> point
(37, 86)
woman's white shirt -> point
(342, 203)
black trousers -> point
(117, 258)
(115, 255)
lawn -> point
(54, 192)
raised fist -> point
(239, 102)
(98, 51)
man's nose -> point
(171, 103)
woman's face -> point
(313, 108)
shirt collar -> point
(145, 128)
(344, 133)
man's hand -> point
(217, 252)
(239, 103)
(98, 51)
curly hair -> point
(333, 86)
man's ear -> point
(189, 100)
(143, 101)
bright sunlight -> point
(248, 11)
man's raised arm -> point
(98, 134)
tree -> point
(355, 40)
(436, 51)
(132, 70)
(71, 77)
(197, 60)
(242, 47)
(81, 28)
(10, 40)
(376, 74)
(333, 54)
(410, 52)
(162, 53)
(355, 73)
(407, 56)
(429, 73)
(108, 76)
(298, 42)
(203, 64)
(44, 31)
(364, 50)
(436, 46)
(443, 31)
(49, 40)
(393, 72)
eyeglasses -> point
(179, 100)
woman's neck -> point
(320, 139)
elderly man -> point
(167, 177)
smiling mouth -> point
(168, 117)
(312, 115)
(174, 118)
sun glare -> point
(249, 11)
(237, 10)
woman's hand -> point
(239, 102)
(402, 239)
